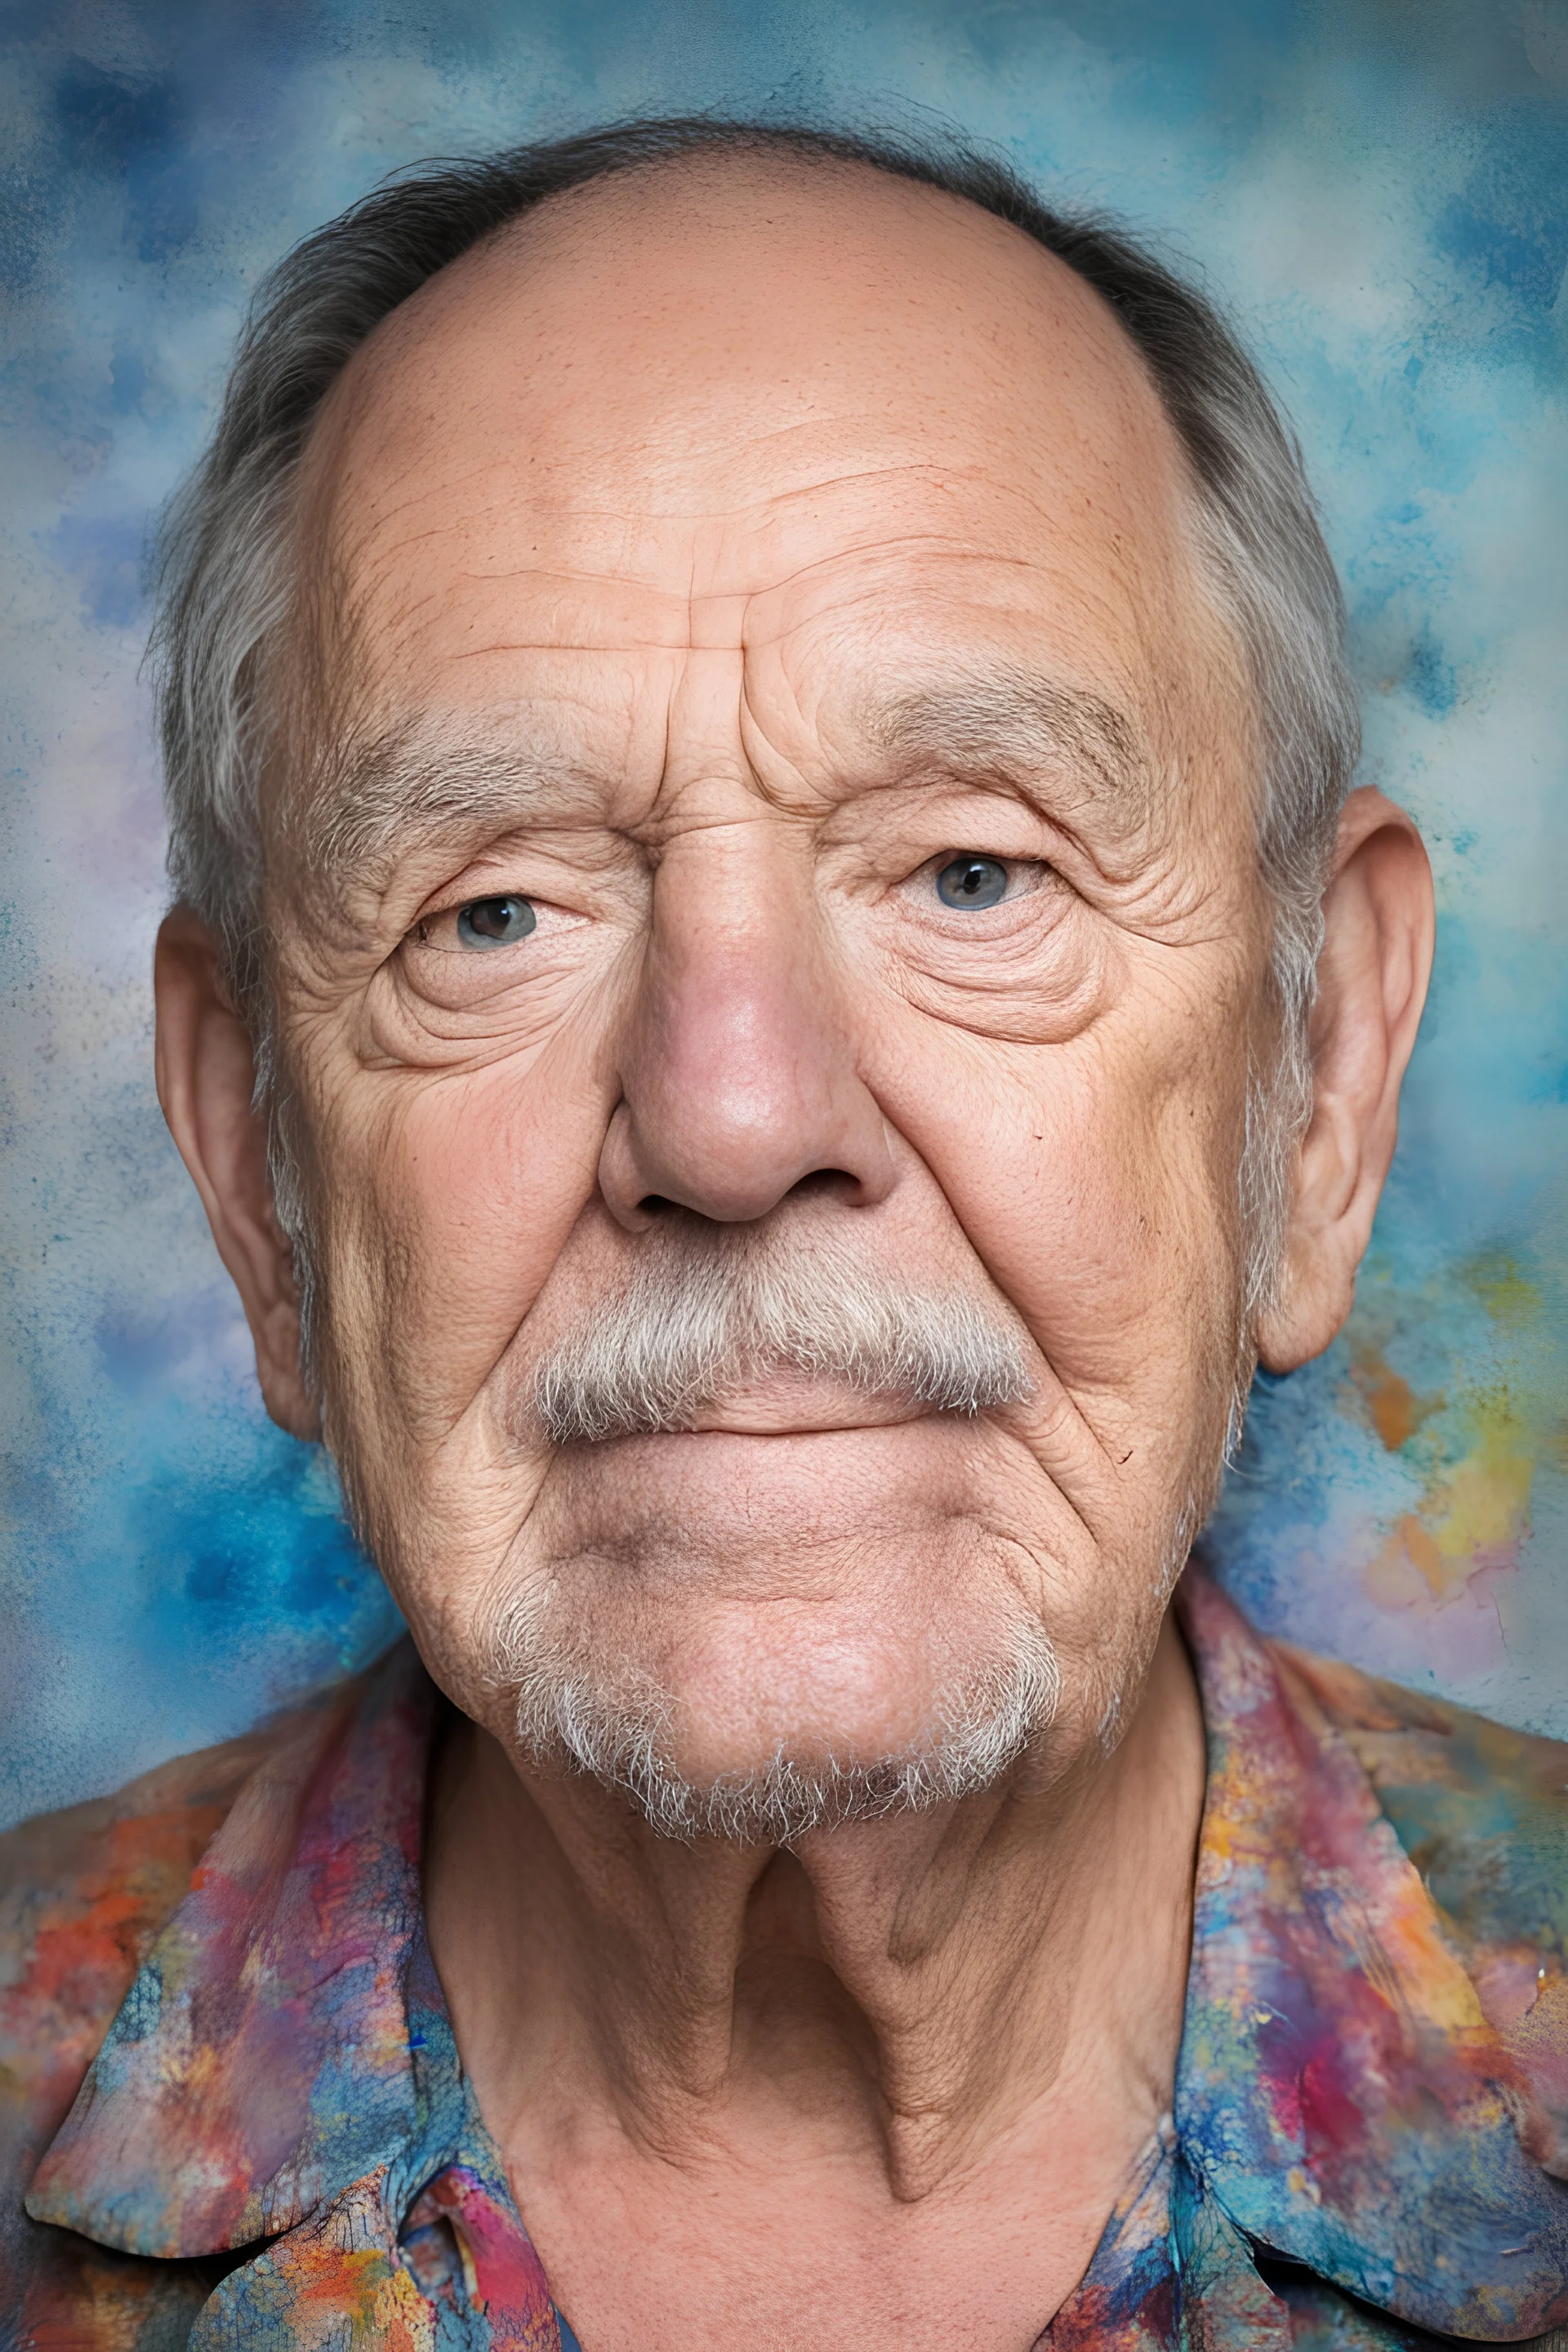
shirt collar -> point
(1340, 2095)
(1341, 2099)
(283, 2037)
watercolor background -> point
(1379, 191)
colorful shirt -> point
(240, 2118)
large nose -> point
(739, 1078)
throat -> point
(907, 2004)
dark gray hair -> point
(224, 587)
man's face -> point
(786, 803)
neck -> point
(913, 1992)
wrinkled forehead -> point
(808, 414)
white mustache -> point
(712, 1309)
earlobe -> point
(1379, 923)
(206, 1081)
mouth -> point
(611, 1385)
(800, 1406)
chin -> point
(796, 1684)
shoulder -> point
(1482, 1811)
(83, 1893)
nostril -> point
(654, 1204)
(827, 1184)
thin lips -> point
(805, 1408)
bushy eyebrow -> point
(424, 779)
(419, 780)
(1013, 724)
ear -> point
(207, 1078)
(1378, 925)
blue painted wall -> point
(1379, 190)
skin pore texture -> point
(710, 561)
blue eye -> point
(495, 922)
(972, 882)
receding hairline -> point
(581, 213)
(560, 220)
(568, 223)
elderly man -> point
(777, 992)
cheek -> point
(465, 1187)
(1096, 1181)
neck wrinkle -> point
(907, 1991)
